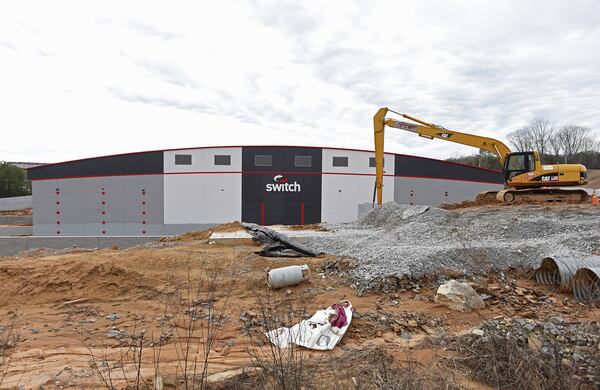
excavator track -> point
(542, 195)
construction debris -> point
(459, 296)
(277, 244)
(322, 331)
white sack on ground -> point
(322, 331)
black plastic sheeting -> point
(277, 244)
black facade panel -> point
(276, 194)
(127, 164)
(283, 158)
(410, 166)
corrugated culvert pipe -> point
(558, 271)
(586, 284)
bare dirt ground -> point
(74, 310)
(17, 212)
(593, 178)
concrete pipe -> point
(558, 271)
(287, 276)
(586, 284)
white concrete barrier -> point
(16, 203)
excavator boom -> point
(429, 131)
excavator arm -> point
(429, 131)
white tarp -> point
(315, 333)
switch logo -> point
(282, 184)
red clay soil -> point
(59, 339)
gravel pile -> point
(402, 242)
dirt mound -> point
(43, 252)
(16, 212)
(593, 178)
(313, 226)
(46, 280)
(204, 235)
(482, 199)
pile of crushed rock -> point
(397, 243)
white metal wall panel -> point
(344, 188)
(203, 160)
(206, 196)
(203, 198)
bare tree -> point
(572, 139)
(521, 140)
(542, 132)
(537, 135)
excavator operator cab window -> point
(518, 163)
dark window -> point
(222, 159)
(372, 162)
(183, 159)
(263, 160)
(518, 163)
(303, 161)
(340, 161)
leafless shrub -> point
(193, 318)
(278, 368)
(112, 367)
(9, 338)
(502, 361)
(198, 319)
(299, 368)
(377, 369)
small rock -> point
(114, 334)
(113, 317)
(405, 335)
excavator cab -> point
(518, 163)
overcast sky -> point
(82, 79)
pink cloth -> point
(340, 320)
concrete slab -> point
(242, 237)
(16, 220)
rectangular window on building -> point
(183, 159)
(340, 161)
(265, 160)
(222, 159)
(372, 162)
(303, 161)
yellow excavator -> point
(526, 178)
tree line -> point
(13, 181)
(570, 144)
